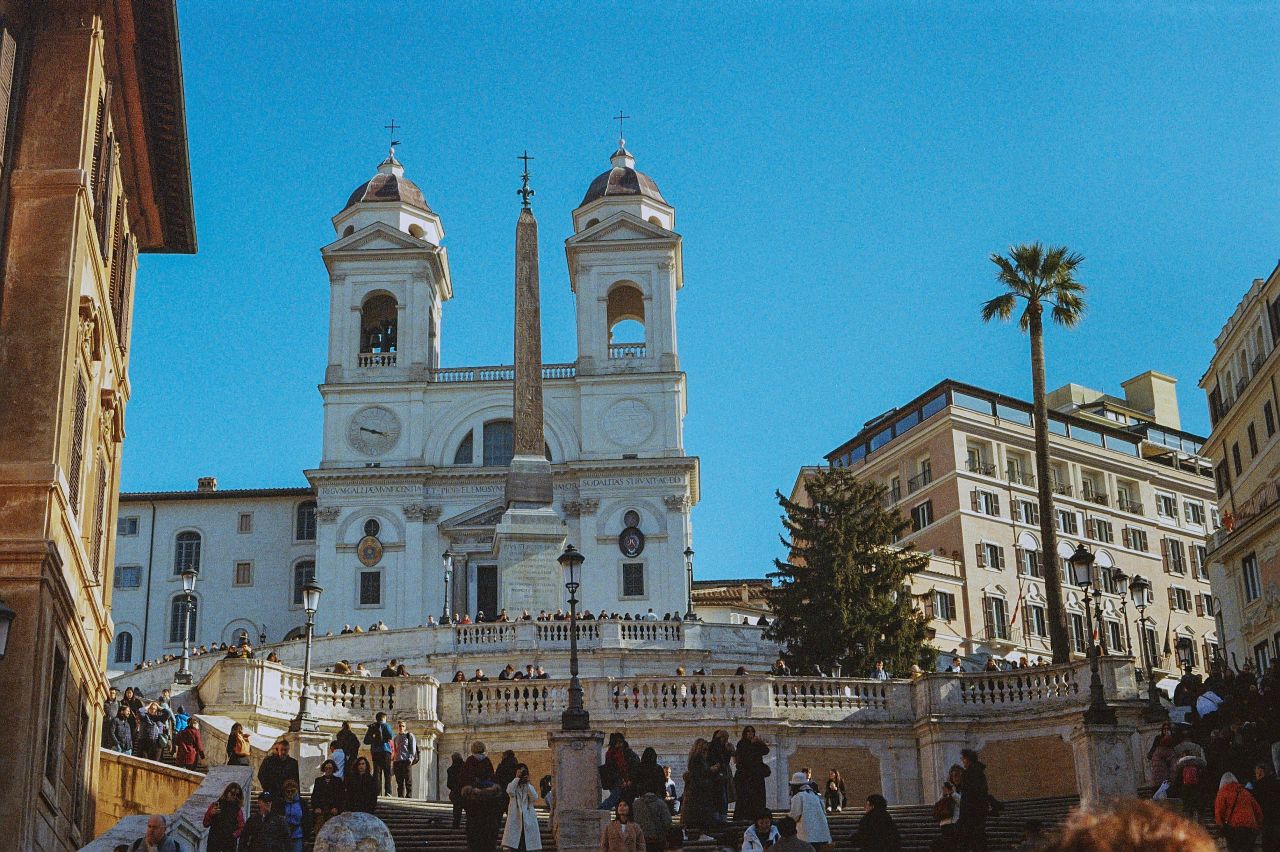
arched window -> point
(124, 647)
(378, 324)
(305, 521)
(302, 572)
(499, 443)
(625, 317)
(349, 230)
(465, 454)
(186, 552)
(177, 614)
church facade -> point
(399, 523)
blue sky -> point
(840, 173)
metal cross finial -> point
(393, 127)
(524, 191)
(620, 118)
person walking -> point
(1237, 813)
(697, 813)
(118, 733)
(361, 787)
(877, 831)
(153, 733)
(349, 743)
(277, 768)
(295, 815)
(807, 811)
(1161, 755)
(750, 774)
(521, 831)
(615, 773)
(1189, 775)
(404, 755)
(379, 738)
(653, 817)
(720, 756)
(482, 799)
(622, 835)
(328, 795)
(505, 774)
(267, 830)
(453, 782)
(1265, 789)
(225, 820)
(188, 746)
(238, 749)
(975, 799)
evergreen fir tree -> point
(843, 595)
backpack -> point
(1190, 775)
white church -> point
(398, 524)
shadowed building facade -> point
(94, 170)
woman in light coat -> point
(521, 831)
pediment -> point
(377, 236)
(621, 226)
(485, 515)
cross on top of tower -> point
(524, 191)
(392, 128)
(620, 118)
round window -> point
(372, 527)
(631, 518)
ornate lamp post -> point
(575, 717)
(7, 616)
(1081, 563)
(310, 602)
(1140, 591)
(446, 610)
(188, 575)
(1184, 649)
(688, 566)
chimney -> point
(207, 483)
(1157, 395)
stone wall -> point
(1031, 767)
(129, 785)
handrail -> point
(499, 373)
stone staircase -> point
(417, 825)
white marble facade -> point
(415, 452)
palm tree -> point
(1044, 278)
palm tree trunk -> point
(1059, 638)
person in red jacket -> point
(188, 746)
(1237, 813)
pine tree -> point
(843, 596)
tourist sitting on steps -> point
(761, 834)
(788, 841)
(622, 835)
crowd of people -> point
(151, 728)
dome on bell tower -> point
(621, 180)
(389, 184)
(391, 198)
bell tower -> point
(625, 268)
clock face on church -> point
(373, 430)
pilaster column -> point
(576, 820)
(1105, 765)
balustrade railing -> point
(627, 350)
(377, 359)
(1021, 687)
(471, 635)
(499, 373)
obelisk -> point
(530, 536)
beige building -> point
(93, 170)
(958, 461)
(1244, 555)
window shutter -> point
(973, 500)
(1035, 513)
(8, 53)
(1164, 554)
(1200, 605)
(987, 620)
(1173, 598)
(1000, 555)
(995, 504)
(981, 554)
(1017, 556)
(927, 604)
(1013, 509)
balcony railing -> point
(377, 359)
(1097, 497)
(893, 495)
(920, 480)
(1133, 507)
(1061, 488)
(1021, 477)
(627, 350)
(1264, 499)
(499, 373)
(982, 468)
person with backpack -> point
(1189, 776)
(808, 812)
(1237, 813)
(404, 755)
(380, 742)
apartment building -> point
(1244, 554)
(1129, 483)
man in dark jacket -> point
(379, 738)
(1266, 791)
(112, 705)
(277, 768)
(117, 733)
(975, 796)
(267, 830)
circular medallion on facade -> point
(372, 527)
(631, 542)
(373, 430)
(369, 550)
(631, 518)
(628, 423)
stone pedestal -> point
(310, 750)
(528, 541)
(355, 831)
(1105, 766)
(576, 820)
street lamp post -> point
(188, 575)
(1140, 591)
(446, 610)
(688, 565)
(1183, 648)
(575, 716)
(310, 602)
(1099, 713)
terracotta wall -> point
(1029, 768)
(858, 766)
(130, 785)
